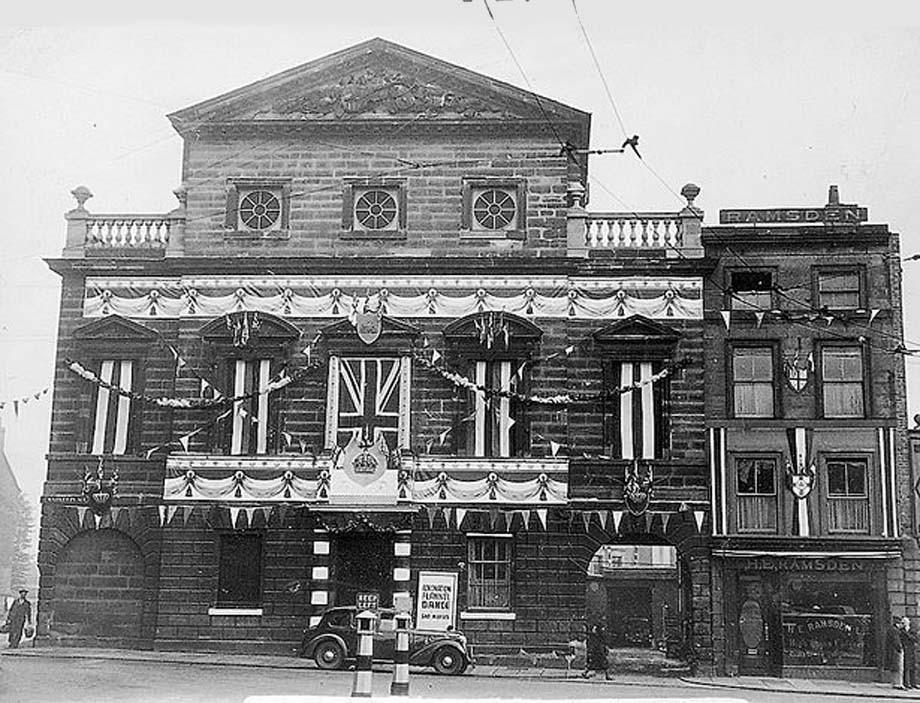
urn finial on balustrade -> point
(181, 194)
(690, 191)
(81, 194)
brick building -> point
(805, 413)
(381, 342)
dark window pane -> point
(836, 479)
(240, 575)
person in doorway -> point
(596, 655)
(908, 648)
(20, 614)
(895, 654)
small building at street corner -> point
(382, 353)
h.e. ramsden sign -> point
(832, 214)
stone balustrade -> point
(660, 234)
(127, 231)
(90, 234)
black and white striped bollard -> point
(366, 623)
(400, 685)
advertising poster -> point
(437, 600)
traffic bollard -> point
(400, 685)
(363, 686)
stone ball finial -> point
(81, 194)
(690, 191)
(181, 195)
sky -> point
(760, 108)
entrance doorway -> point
(637, 592)
(363, 564)
(759, 629)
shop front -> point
(806, 616)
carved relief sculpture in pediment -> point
(382, 92)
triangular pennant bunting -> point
(187, 511)
(759, 316)
(698, 516)
(665, 519)
(461, 513)
(447, 513)
(541, 516)
(170, 512)
(81, 514)
(234, 514)
(250, 512)
(602, 518)
(586, 518)
(727, 318)
(648, 521)
(554, 447)
(872, 315)
(161, 509)
(617, 515)
(96, 520)
(525, 516)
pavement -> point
(789, 687)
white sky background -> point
(759, 109)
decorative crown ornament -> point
(97, 491)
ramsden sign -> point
(834, 212)
(802, 564)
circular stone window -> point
(494, 209)
(375, 209)
(259, 209)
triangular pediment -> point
(262, 326)
(114, 328)
(379, 81)
(637, 329)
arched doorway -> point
(640, 593)
(99, 588)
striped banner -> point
(887, 464)
(113, 410)
(634, 434)
(800, 440)
(717, 483)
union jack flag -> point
(369, 400)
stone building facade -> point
(382, 341)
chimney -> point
(833, 196)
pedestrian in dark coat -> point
(909, 647)
(20, 614)
(895, 654)
(596, 655)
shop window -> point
(368, 397)
(751, 290)
(112, 411)
(839, 290)
(842, 381)
(489, 572)
(756, 494)
(239, 581)
(847, 495)
(828, 623)
(497, 421)
(752, 381)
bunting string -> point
(461, 381)
(24, 400)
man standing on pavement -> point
(908, 646)
(895, 653)
(20, 614)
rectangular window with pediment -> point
(368, 397)
(635, 419)
(112, 410)
(251, 427)
(497, 421)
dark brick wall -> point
(317, 172)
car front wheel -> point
(329, 655)
(448, 660)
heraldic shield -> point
(637, 492)
(801, 480)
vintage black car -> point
(334, 642)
